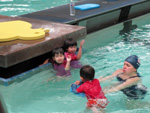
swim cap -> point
(134, 61)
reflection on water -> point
(128, 27)
(20, 7)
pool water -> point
(20, 7)
(106, 51)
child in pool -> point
(70, 47)
(91, 87)
(60, 65)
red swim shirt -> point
(92, 89)
(73, 56)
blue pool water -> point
(106, 51)
(20, 7)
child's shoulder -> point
(96, 80)
(73, 55)
(67, 53)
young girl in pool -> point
(70, 47)
(91, 87)
(60, 65)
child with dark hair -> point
(60, 65)
(91, 87)
(70, 47)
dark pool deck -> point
(21, 55)
(109, 13)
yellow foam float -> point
(18, 29)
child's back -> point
(91, 87)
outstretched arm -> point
(124, 85)
(101, 79)
(68, 62)
(80, 50)
(45, 62)
(79, 82)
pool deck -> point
(110, 12)
(13, 53)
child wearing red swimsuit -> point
(70, 47)
(91, 87)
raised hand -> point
(68, 58)
(81, 43)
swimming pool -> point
(20, 7)
(106, 51)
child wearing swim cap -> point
(91, 88)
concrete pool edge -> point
(23, 76)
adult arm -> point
(80, 50)
(127, 83)
(101, 79)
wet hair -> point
(69, 42)
(134, 61)
(57, 51)
(87, 72)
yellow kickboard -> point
(18, 29)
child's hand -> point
(105, 90)
(68, 58)
(101, 77)
(77, 82)
(81, 43)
